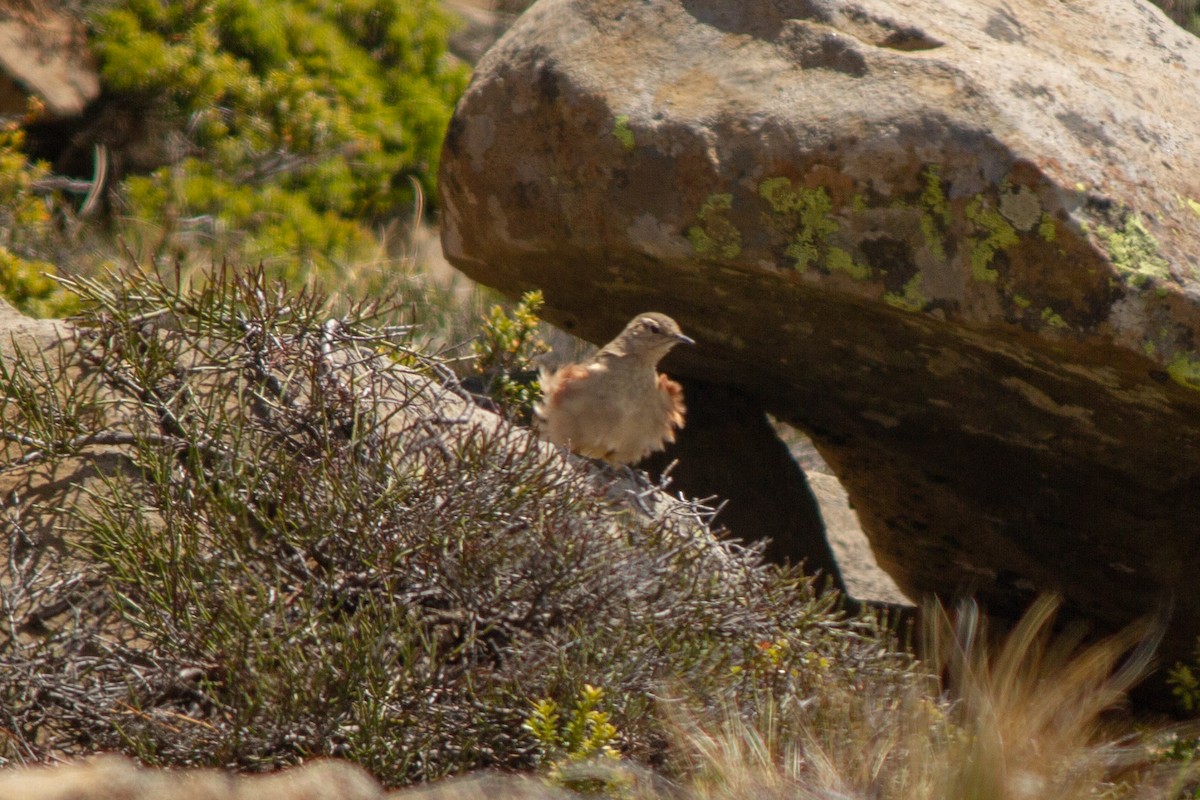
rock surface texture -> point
(113, 777)
(956, 242)
(44, 55)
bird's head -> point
(648, 337)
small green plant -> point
(568, 746)
(25, 224)
(505, 350)
(1184, 680)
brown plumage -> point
(616, 405)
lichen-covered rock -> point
(958, 242)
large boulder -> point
(956, 242)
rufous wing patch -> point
(673, 406)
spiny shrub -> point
(306, 543)
(300, 124)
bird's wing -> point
(558, 386)
(672, 395)
(564, 382)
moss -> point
(1188, 202)
(911, 298)
(623, 133)
(1133, 250)
(840, 260)
(1021, 302)
(806, 213)
(715, 237)
(997, 234)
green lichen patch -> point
(910, 297)
(715, 237)
(806, 214)
(935, 211)
(1184, 369)
(1053, 318)
(623, 133)
(1133, 250)
(994, 235)
(1047, 228)
(841, 261)
(1188, 202)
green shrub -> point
(25, 227)
(567, 745)
(507, 346)
(304, 123)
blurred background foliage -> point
(301, 133)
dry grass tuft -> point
(1023, 720)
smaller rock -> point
(44, 55)
(118, 778)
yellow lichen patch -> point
(1053, 318)
(806, 213)
(715, 236)
(622, 132)
(840, 260)
(1133, 250)
(996, 235)
(1184, 369)
(911, 298)
(1047, 228)
(935, 211)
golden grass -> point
(1025, 719)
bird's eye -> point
(653, 327)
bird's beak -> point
(684, 339)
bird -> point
(616, 406)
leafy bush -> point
(506, 347)
(297, 125)
(25, 224)
(567, 744)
